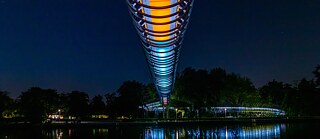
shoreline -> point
(161, 122)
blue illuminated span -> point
(161, 25)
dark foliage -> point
(36, 103)
(193, 88)
(6, 104)
(97, 106)
(78, 104)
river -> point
(303, 130)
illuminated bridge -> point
(161, 25)
(252, 111)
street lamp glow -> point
(59, 113)
(176, 113)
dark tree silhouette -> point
(36, 103)
(239, 91)
(78, 104)
(50, 100)
(111, 104)
(218, 77)
(299, 100)
(130, 98)
(205, 89)
(64, 104)
(97, 106)
(308, 97)
(151, 94)
(273, 93)
(5, 104)
(290, 101)
(316, 73)
(193, 87)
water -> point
(244, 131)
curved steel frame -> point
(161, 25)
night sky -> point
(92, 46)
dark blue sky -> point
(91, 45)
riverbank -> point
(157, 122)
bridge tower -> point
(161, 25)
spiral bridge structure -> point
(161, 25)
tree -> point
(36, 103)
(5, 104)
(218, 77)
(97, 105)
(178, 93)
(64, 103)
(193, 87)
(274, 92)
(308, 97)
(111, 104)
(78, 104)
(50, 99)
(290, 101)
(150, 95)
(130, 98)
(316, 73)
(239, 91)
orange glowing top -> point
(160, 12)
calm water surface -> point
(245, 131)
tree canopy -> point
(193, 88)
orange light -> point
(160, 12)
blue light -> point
(161, 46)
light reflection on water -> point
(225, 132)
(252, 131)
(54, 133)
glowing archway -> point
(161, 25)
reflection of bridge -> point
(161, 25)
(224, 132)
